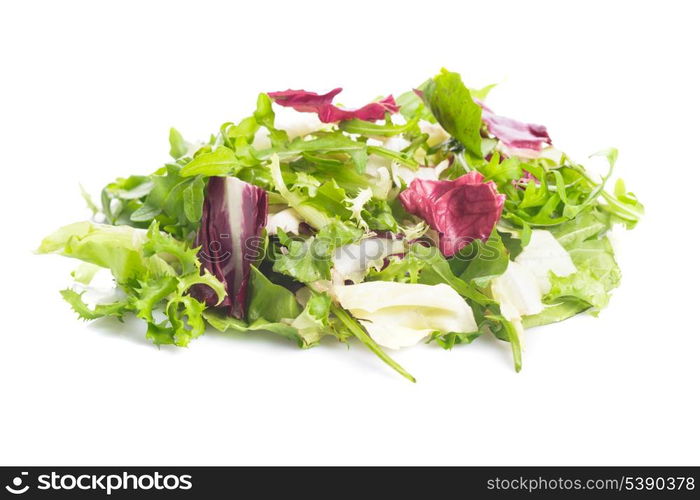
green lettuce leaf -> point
(309, 259)
(224, 323)
(581, 285)
(412, 106)
(597, 270)
(448, 340)
(565, 309)
(304, 260)
(307, 328)
(598, 274)
(587, 225)
(315, 211)
(313, 323)
(269, 301)
(154, 270)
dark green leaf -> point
(452, 105)
(480, 261)
(269, 301)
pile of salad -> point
(428, 218)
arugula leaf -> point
(503, 173)
(356, 329)
(221, 161)
(623, 205)
(265, 116)
(423, 264)
(514, 245)
(534, 196)
(556, 193)
(509, 332)
(571, 209)
(175, 202)
(193, 200)
(326, 167)
(372, 129)
(121, 198)
(489, 320)
(399, 157)
(437, 270)
(334, 142)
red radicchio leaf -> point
(233, 216)
(301, 100)
(460, 211)
(321, 104)
(514, 133)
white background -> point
(88, 91)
